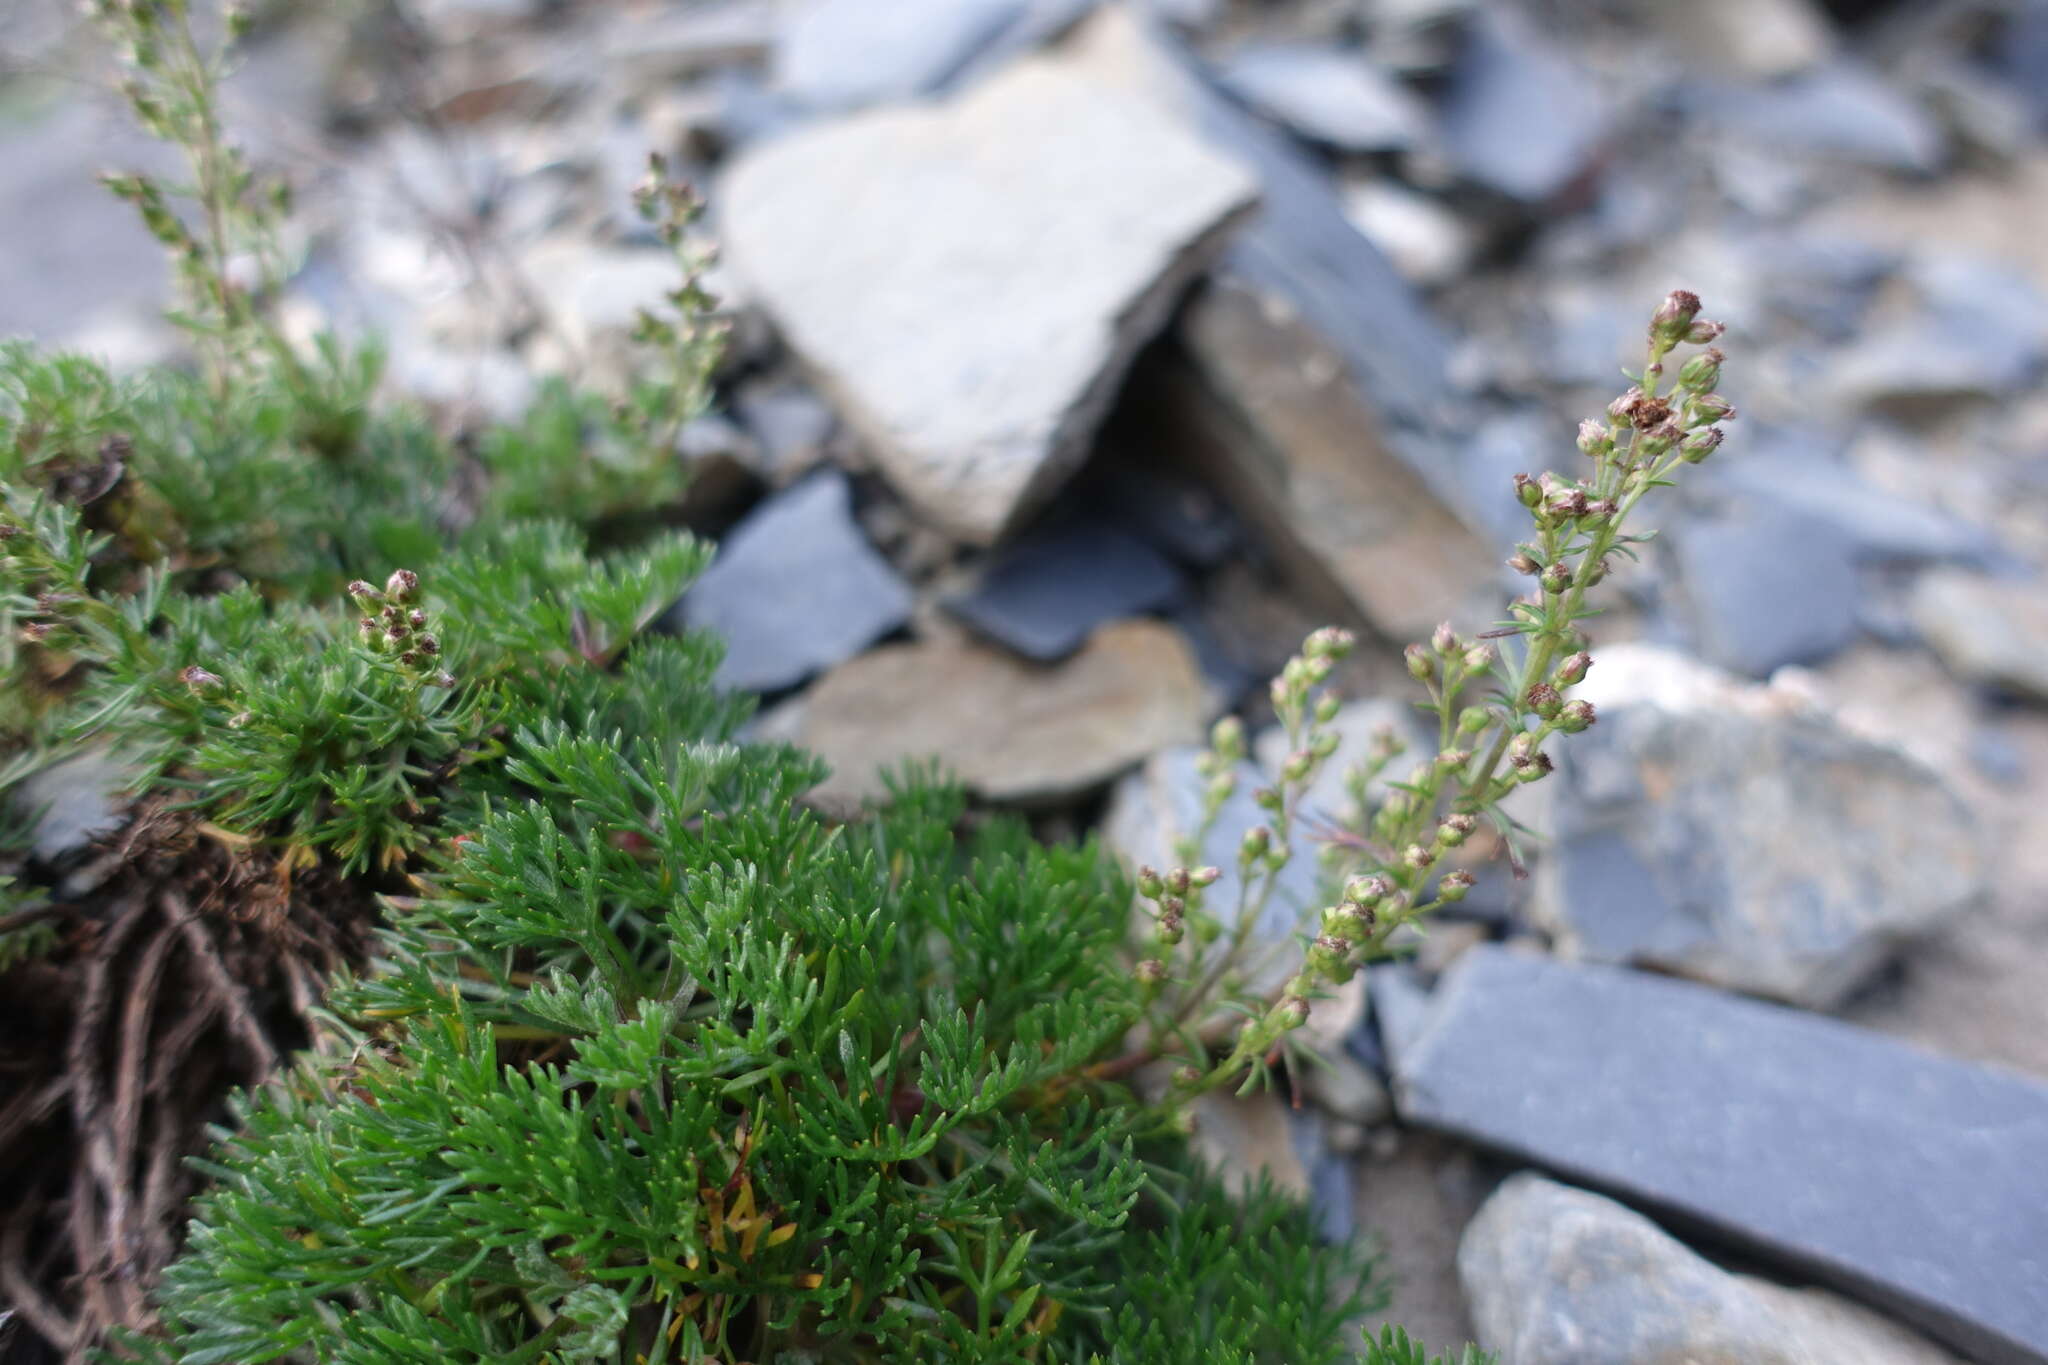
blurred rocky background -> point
(1089, 352)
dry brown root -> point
(192, 971)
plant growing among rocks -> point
(1497, 701)
(632, 1056)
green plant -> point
(648, 1061)
(1388, 862)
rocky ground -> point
(1090, 352)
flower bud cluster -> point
(395, 627)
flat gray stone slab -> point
(1915, 1182)
(796, 588)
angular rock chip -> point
(1558, 1276)
(841, 54)
(1769, 587)
(796, 588)
(1013, 732)
(969, 281)
(1326, 94)
(1989, 630)
(1909, 1180)
(1311, 380)
(1703, 829)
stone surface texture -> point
(1326, 94)
(1735, 835)
(969, 281)
(796, 588)
(1559, 1276)
(1988, 630)
(1909, 1180)
(1013, 732)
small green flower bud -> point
(1703, 331)
(1659, 438)
(1298, 766)
(1204, 876)
(1150, 885)
(1150, 972)
(1595, 437)
(1523, 562)
(1221, 787)
(1327, 954)
(1557, 578)
(1324, 744)
(1367, 891)
(1700, 444)
(1473, 719)
(199, 680)
(402, 584)
(1186, 1076)
(1572, 669)
(427, 645)
(1454, 885)
(1575, 716)
(1172, 929)
(1277, 856)
(1269, 798)
(1527, 491)
(1331, 642)
(416, 618)
(1707, 409)
(1703, 371)
(1542, 698)
(1450, 760)
(442, 680)
(1568, 502)
(1522, 750)
(1327, 708)
(1419, 666)
(1291, 1012)
(1177, 881)
(1253, 846)
(1673, 318)
(1455, 829)
(1318, 671)
(363, 593)
(1417, 857)
(1444, 640)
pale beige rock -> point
(1012, 731)
(1750, 39)
(1239, 1138)
(1558, 1276)
(1989, 630)
(970, 280)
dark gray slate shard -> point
(842, 54)
(1909, 1180)
(1518, 117)
(73, 803)
(1044, 595)
(1332, 1193)
(796, 589)
(1769, 587)
(1325, 94)
(1842, 111)
(1177, 515)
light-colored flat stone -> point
(1011, 731)
(968, 281)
